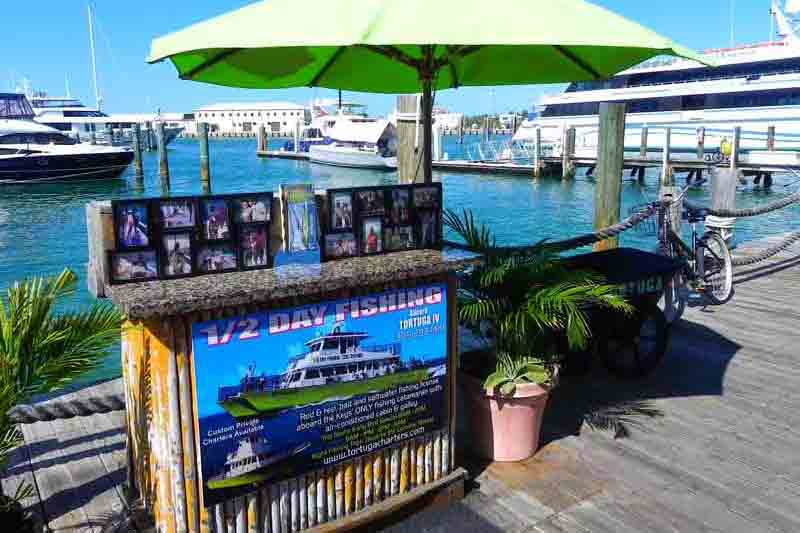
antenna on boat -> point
(732, 11)
(66, 83)
(97, 99)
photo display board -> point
(178, 237)
(288, 391)
(365, 221)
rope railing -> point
(746, 212)
(59, 410)
(581, 240)
(768, 252)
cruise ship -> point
(335, 366)
(753, 86)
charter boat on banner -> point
(335, 366)
(249, 461)
(31, 152)
(754, 86)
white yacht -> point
(72, 117)
(339, 358)
(31, 152)
(349, 139)
(753, 86)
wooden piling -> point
(537, 154)
(771, 138)
(666, 155)
(567, 153)
(163, 162)
(701, 143)
(643, 143)
(138, 168)
(610, 156)
(461, 130)
(409, 144)
(261, 138)
(205, 172)
(723, 196)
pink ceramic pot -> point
(501, 428)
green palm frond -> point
(40, 350)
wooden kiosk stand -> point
(343, 462)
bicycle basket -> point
(647, 226)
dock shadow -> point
(694, 365)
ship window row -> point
(781, 97)
(36, 138)
(742, 70)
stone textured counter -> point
(204, 293)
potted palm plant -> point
(40, 352)
(527, 305)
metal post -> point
(567, 152)
(138, 169)
(205, 172)
(737, 137)
(163, 163)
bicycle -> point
(707, 264)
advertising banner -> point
(288, 391)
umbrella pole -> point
(426, 75)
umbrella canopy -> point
(410, 46)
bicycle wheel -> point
(673, 300)
(718, 276)
(638, 344)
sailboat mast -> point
(97, 99)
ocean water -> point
(43, 227)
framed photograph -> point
(340, 245)
(400, 211)
(132, 224)
(254, 246)
(372, 236)
(428, 228)
(179, 213)
(250, 209)
(370, 202)
(176, 254)
(426, 197)
(215, 219)
(127, 267)
(220, 257)
(340, 206)
(398, 238)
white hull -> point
(343, 156)
(718, 124)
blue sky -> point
(48, 41)
(225, 364)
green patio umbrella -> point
(410, 46)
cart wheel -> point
(637, 346)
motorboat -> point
(31, 152)
(357, 142)
(754, 86)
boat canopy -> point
(361, 131)
(15, 106)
